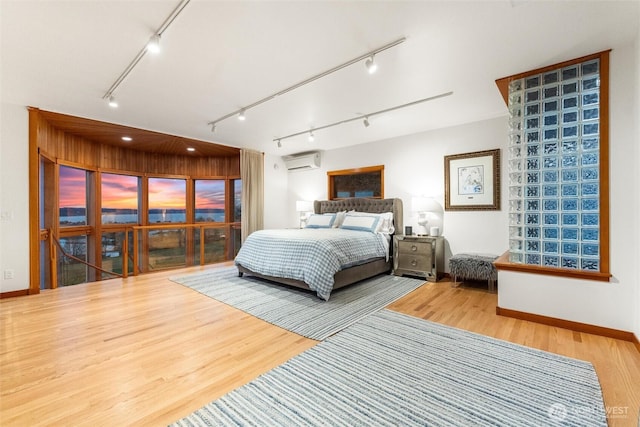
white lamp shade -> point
(424, 204)
(304, 206)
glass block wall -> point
(554, 156)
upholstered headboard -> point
(362, 204)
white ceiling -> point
(219, 56)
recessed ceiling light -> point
(127, 138)
(191, 149)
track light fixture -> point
(311, 137)
(368, 56)
(279, 144)
(112, 102)
(152, 46)
(364, 117)
(241, 115)
(213, 127)
(371, 65)
(366, 122)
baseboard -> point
(636, 342)
(568, 324)
(20, 293)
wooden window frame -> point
(355, 171)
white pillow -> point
(321, 221)
(339, 218)
(385, 225)
(360, 222)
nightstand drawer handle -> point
(414, 262)
(414, 248)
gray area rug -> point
(391, 369)
(297, 310)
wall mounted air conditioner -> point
(302, 161)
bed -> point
(260, 247)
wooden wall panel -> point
(93, 155)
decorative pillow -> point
(385, 225)
(360, 222)
(321, 221)
(339, 218)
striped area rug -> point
(297, 310)
(391, 369)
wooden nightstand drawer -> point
(412, 247)
(418, 256)
(414, 263)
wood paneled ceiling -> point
(141, 140)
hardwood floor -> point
(147, 351)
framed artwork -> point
(472, 181)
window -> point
(359, 182)
(558, 143)
(167, 200)
(210, 200)
(119, 199)
(237, 200)
(72, 196)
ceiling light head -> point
(154, 44)
(279, 144)
(366, 122)
(241, 115)
(213, 126)
(127, 138)
(311, 137)
(112, 102)
(371, 65)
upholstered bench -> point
(474, 266)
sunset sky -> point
(73, 188)
(210, 194)
(121, 191)
(166, 193)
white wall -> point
(637, 176)
(14, 197)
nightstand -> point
(418, 256)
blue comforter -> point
(310, 255)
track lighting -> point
(241, 115)
(363, 117)
(213, 126)
(154, 44)
(279, 144)
(112, 102)
(371, 65)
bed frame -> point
(359, 272)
